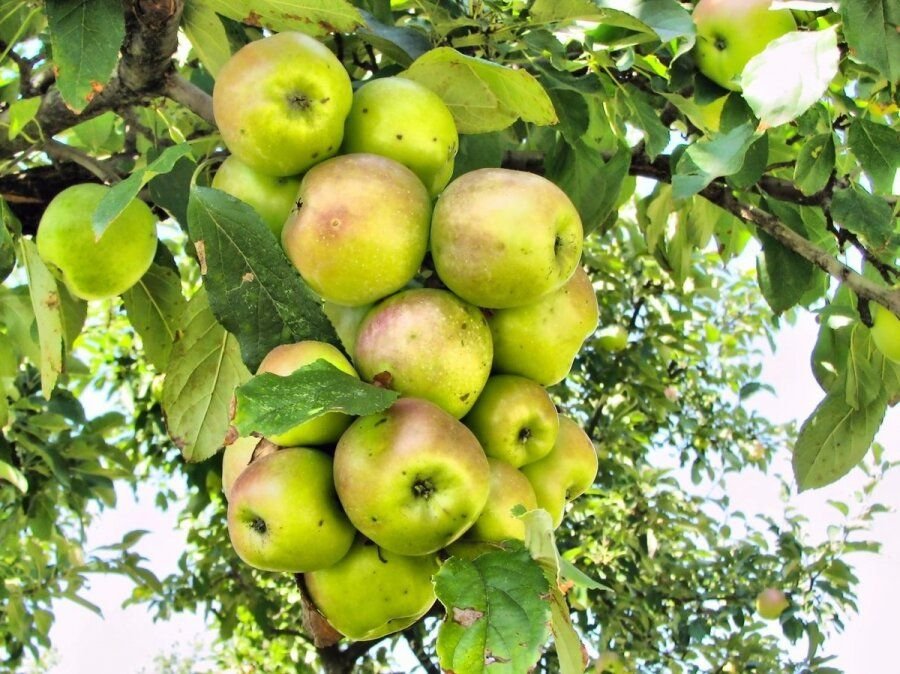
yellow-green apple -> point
(403, 120)
(278, 117)
(360, 229)
(566, 472)
(286, 359)
(540, 340)
(411, 478)
(372, 592)
(95, 269)
(346, 321)
(235, 459)
(514, 419)
(608, 662)
(612, 338)
(271, 197)
(426, 343)
(771, 603)
(509, 488)
(503, 238)
(731, 32)
(886, 332)
(284, 514)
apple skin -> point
(413, 479)
(235, 459)
(886, 332)
(279, 118)
(509, 488)
(273, 198)
(502, 238)
(360, 207)
(566, 472)
(373, 592)
(91, 269)
(514, 419)
(731, 32)
(771, 603)
(346, 321)
(401, 119)
(612, 338)
(540, 340)
(286, 359)
(284, 514)
(434, 345)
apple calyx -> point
(423, 487)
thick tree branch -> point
(190, 96)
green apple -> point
(273, 198)
(373, 592)
(413, 479)
(509, 488)
(566, 472)
(612, 338)
(235, 459)
(286, 359)
(540, 340)
(503, 238)
(608, 662)
(346, 321)
(426, 343)
(514, 419)
(280, 103)
(284, 514)
(886, 332)
(409, 123)
(95, 269)
(360, 230)
(771, 603)
(731, 32)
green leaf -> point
(254, 290)
(45, 300)
(815, 163)
(269, 404)
(790, 75)
(863, 386)
(496, 613)
(784, 276)
(204, 369)
(20, 113)
(482, 96)
(401, 44)
(86, 37)
(870, 28)
(646, 118)
(207, 35)
(711, 158)
(121, 194)
(14, 476)
(877, 147)
(154, 306)
(834, 439)
(7, 252)
(315, 17)
(865, 214)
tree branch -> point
(190, 96)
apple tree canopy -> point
(712, 216)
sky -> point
(127, 640)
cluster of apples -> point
(465, 297)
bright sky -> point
(127, 640)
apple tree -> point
(690, 147)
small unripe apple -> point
(272, 198)
(886, 332)
(235, 459)
(509, 488)
(608, 662)
(612, 338)
(771, 603)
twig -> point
(65, 152)
(190, 96)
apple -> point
(541, 340)
(412, 478)
(284, 514)
(612, 338)
(731, 32)
(566, 472)
(401, 119)
(608, 662)
(95, 269)
(426, 343)
(346, 321)
(514, 419)
(360, 229)
(373, 592)
(886, 332)
(273, 198)
(509, 488)
(235, 459)
(502, 238)
(771, 603)
(286, 359)
(280, 103)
